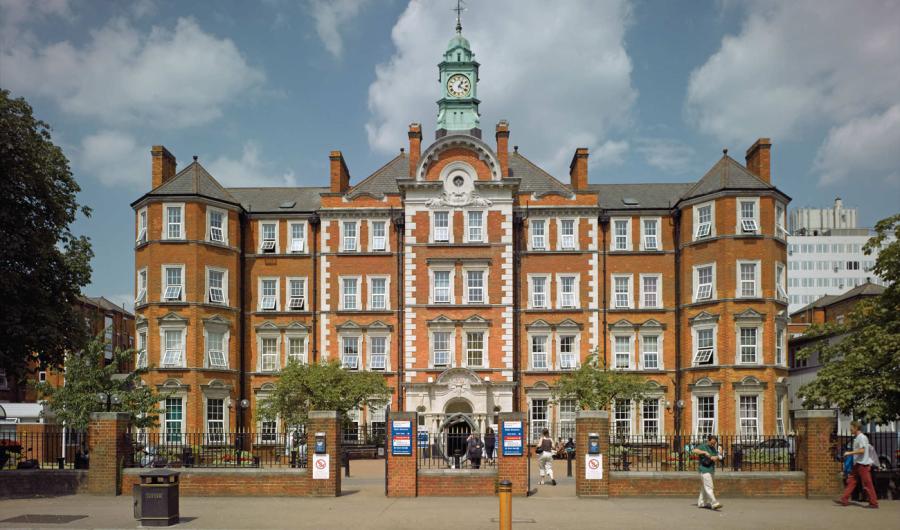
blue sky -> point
(262, 91)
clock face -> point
(458, 85)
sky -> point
(262, 91)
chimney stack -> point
(415, 147)
(759, 160)
(578, 169)
(340, 175)
(503, 147)
(162, 167)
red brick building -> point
(471, 278)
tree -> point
(860, 373)
(43, 266)
(93, 386)
(596, 387)
(326, 386)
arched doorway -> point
(457, 426)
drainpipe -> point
(676, 219)
(518, 230)
(603, 221)
(242, 390)
(398, 221)
(314, 224)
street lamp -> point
(109, 398)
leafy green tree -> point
(94, 386)
(860, 373)
(43, 266)
(595, 386)
(326, 386)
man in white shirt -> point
(862, 467)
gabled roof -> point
(101, 302)
(726, 174)
(278, 199)
(194, 180)
(534, 179)
(384, 179)
(651, 196)
(866, 289)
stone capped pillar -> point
(586, 422)
(328, 422)
(816, 450)
(401, 469)
(513, 468)
(107, 448)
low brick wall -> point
(457, 483)
(42, 482)
(232, 482)
(687, 483)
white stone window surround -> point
(371, 334)
(486, 338)
(221, 393)
(467, 233)
(341, 286)
(660, 399)
(141, 354)
(757, 286)
(143, 227)
(546, 293)
(485, 277)
(348, 239)
(433, 230)
(576, 347)
(632, 365)
(431, 296)
(260, 296)
(704, 392)
(303, 337)
(289, 294)
(738, 226)
(659, 291)
(360, 354)
(617, 303)
(370, 305)
(164, 422)
(780, 344)
(548, 342)
(644, 235)
(173, 326)
(226, 337)
(268, 334)
(759, 394)
(451, 345)
(614, 245)
(164, 283)
(758, 326)
(533, 237)
(659, 349)
(385, 247)
(695, 344)
(141, 286)
(629, 410)
(696, 282)
(695, 211)
(262, 242)
(576, 285)
(298, 245)
(781, 281)
(210, 210)
(208, 292)
(166, 233)
(780, 221)
(559, 234)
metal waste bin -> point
(159, 497)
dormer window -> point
(749, 224)
(217, 219)
(704, 221)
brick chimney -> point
(759, 159)
(578, 169)
(340, 175)
(163, 165)
(415, 147)
(503, 147)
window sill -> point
(172, 303)
(558, 251)
(173, 241)
(755, 235)
(365, 311)
(171, 368)
(278, 312)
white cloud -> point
(248, 170)
(610, 153)
(868, 144)
(798, 67)
(115, 159)
(563, 83)
(330, 17)
(14, 14)
(665, 154)
(164, 78)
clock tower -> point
(458, 106)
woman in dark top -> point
(545, 458)
(474, 448)
(490, 442)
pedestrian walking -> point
(709, 455)
(545, 450)
(474, 448)
(864, 457)
(490, 443)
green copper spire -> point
(458, 106)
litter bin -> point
(159, 497)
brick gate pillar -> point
(513, 468)
(328, 422)
(586, 422)
(816, 450)
(401, 469)
(107, 448)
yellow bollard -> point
(505, 505)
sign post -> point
(401, 438)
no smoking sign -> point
(320, 467)
(593, 467)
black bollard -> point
(569, 464)
(346, 464)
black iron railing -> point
(53, 449)
(216, 449)
(445, 450)
(674, 452)
(886, 445)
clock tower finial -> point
(459, 9)
(458, 106)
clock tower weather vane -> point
(459, 9)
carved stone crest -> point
(453, 198)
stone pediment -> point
(653, 324)
(217, 320)
(538, 324)
(173, 318)
(476, 321)
(348, 326)
(568, 323)
(378, 325)
(624, 324)
(749, 314)
(458, 377)
(268, 325)
(441, 320)
(703, 317)
(297, 327)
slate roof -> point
(278, 199)
(866, 289)
(194, 180)
(384, 179)
(727, 173)
(647, 196)
(534, 179)
(102, 303)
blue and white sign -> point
(423, 437)
(401, 437)
(511, 438)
